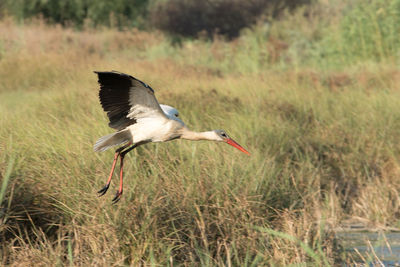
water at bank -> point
(374, 248)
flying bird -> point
(135, 113)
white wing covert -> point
(143, 102)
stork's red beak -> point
(234, 144)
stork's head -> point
(222, 136)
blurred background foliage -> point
(336, 33)
(78, 13)
(225, 17)
(182, 17)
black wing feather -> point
(114, 98)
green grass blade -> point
(6, 178)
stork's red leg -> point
(105, 188)
(121, 172)
(116, 155)
(119, 192)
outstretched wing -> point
(126, 99)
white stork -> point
(134, 112)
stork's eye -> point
(224, 135)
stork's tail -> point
(111, 140)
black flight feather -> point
(114, 97)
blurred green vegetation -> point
(371, 31)
(326, 35)
(338, 32)
(216, 17)
(118, 13)
(178, 17)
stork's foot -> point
(117, 197)
(102, 191)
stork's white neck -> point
(196, 136)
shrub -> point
(226, 17)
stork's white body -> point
(154, 130)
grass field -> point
(320, 117)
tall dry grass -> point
(323, 142)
